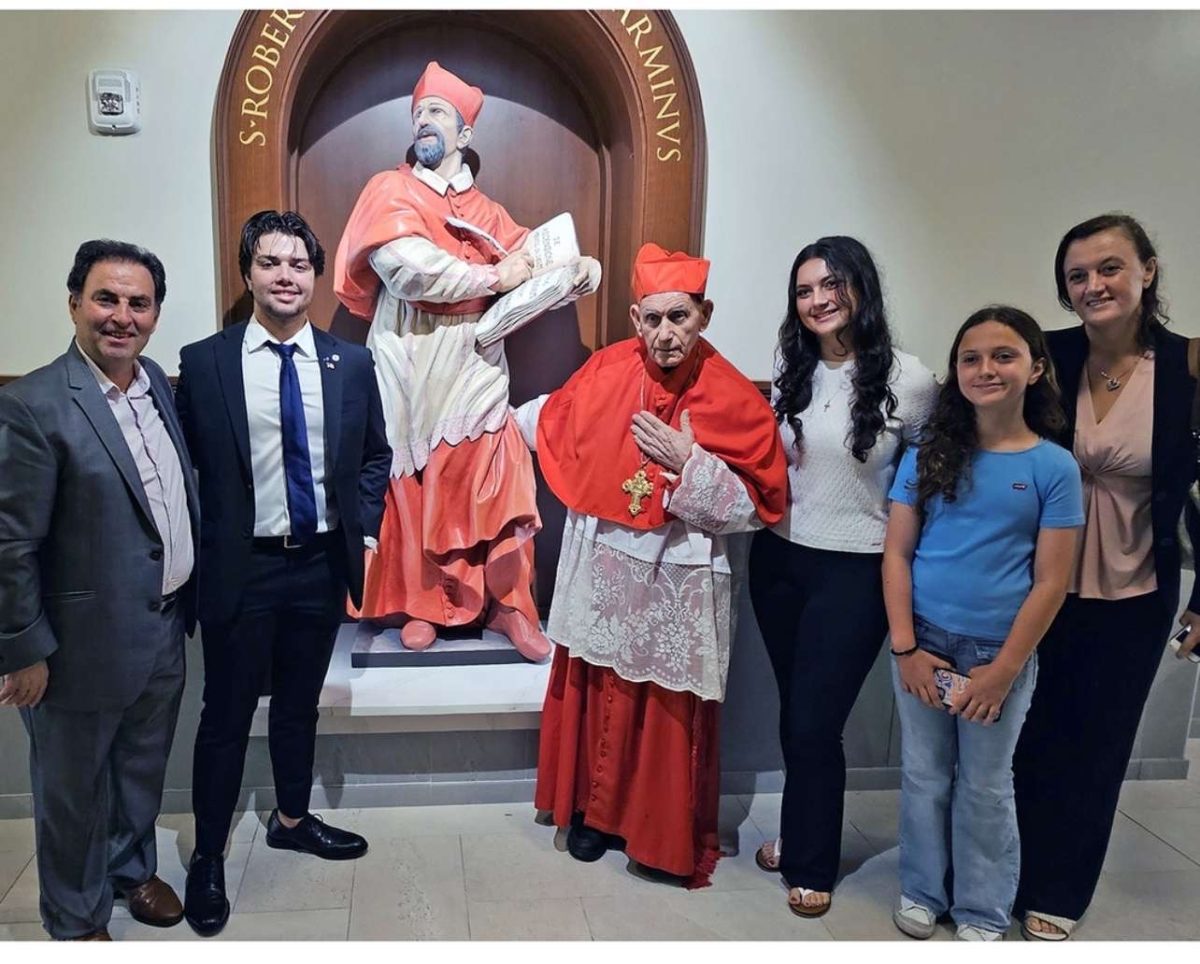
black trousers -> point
(1095, 668)
(284, 631)
(822, 618)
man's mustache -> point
(427, 129)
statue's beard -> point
(430, 155)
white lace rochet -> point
(657, 605)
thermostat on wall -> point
(114, 102)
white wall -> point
(957, 146)
(60, 185)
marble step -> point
(423, 697)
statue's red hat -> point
(437, 81)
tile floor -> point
(489, 872)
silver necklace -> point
(843, 385)
(1113, 382)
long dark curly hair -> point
(950, 437)
(799, 350)
(1154, 308)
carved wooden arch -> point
(629, 69)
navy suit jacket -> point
(81, 559)
(212, 408)
(1172, 451)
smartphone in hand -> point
(949, 684)
(1177, 641)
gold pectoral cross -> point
(638, 487)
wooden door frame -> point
(631, 70)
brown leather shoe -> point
(154, 903)
(100, 935)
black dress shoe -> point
(205, 905)
(312, 835)
(587, 844)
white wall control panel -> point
(114, 102)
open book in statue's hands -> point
(560, 275)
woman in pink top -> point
(1127, 392)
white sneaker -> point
(915, 920)
(969, 932)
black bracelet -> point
(906, 652)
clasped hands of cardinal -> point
(662, 444)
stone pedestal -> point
(376, 646)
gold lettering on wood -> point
(286, 17)
(260, 77)
(639, 29)
(662, 111)
(654, 67)
(263, 78)
(268, 55)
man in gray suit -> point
(98, 527)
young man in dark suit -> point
(286, 430)
(98, 523)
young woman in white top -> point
(847, 402)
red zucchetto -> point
(656, 270)
(437, 81)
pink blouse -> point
(1116, 557)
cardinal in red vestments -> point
(660, 449)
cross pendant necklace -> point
(639, 486)
(841, 386)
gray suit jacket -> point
(81, 560)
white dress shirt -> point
(158, 466)
(260, 379)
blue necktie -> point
(297, 469)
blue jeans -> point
(959, 849)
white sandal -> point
(801, 909)
(1064, 924)
(809, 911)
(777, 854)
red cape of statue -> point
(585, 440)
(397, 204)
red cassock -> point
(638, 759)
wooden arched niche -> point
(593, 112)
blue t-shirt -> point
(973, 564)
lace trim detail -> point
(711, 497)
(649, 622)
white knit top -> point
(838, 502)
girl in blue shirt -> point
(976, 562)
